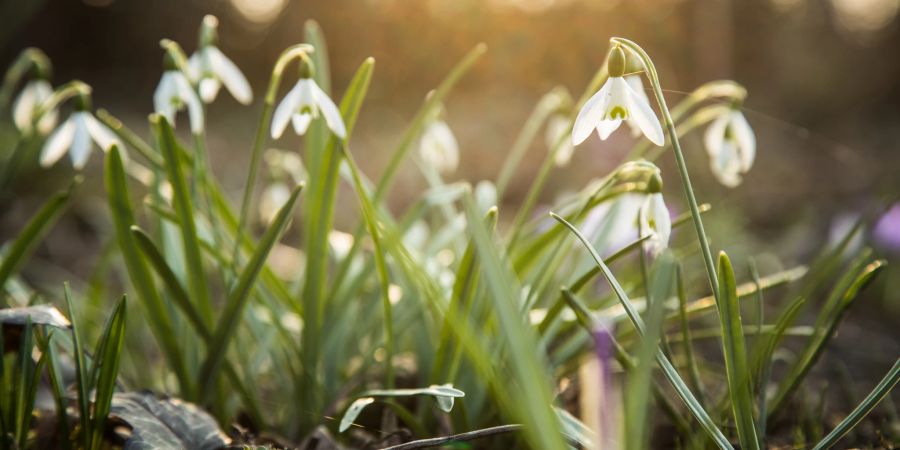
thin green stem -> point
(259, 140)
(679, 159)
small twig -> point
(467, 436)
(471, 436)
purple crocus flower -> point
(887, 230)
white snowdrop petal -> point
(189, 97)
(81, 140)
(726, 165)
(660, 214)
(714, 137)
(439, 148)
(195, 65)
(301, 123)
(284, 111)
(162, 97)
(590, 114)
(230, 75)
(641, 113)
(746, 140)
(606, 127)
(209, 89)
(57, 144)
(102, 135)
(329, 111)
(485, 194)
(24, 106)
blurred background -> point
(823, 78)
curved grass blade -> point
(181, 201)
(865, 407)
(668, 369)
(735, 352)
(237, 299)
(30, 236)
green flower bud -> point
(655, 183)
(615, 65)
(169, 62)
(306, 67)
(82, 102)
(209, 34)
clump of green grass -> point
(452, 320)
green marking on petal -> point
(618, 112)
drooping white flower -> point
(438, 147)
(210, 68)
(557, 133)
(75, 136)
(614, 103)
(731, 146)
(303, 104)
(28, 102)
(173, 94)
(655, 221)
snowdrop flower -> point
(557, 133)
(75, 135)
(614, 103)
(174, 93)
(29, 101)
(438, 147)
(210, 68)
(303, 104)
(731, 146)
(655, 221)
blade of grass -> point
(58, 390)
(81, 381)
(541, 426)
(668, 369)
(123, 218)
(880, 391)
(106, 370)
(845, 292)
(181, 201)
(238, 298)
(27, 239)
(734, 350)
(412, 132)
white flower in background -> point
(173, 94)
(731, 146)
(655, 221)
(28, 102)
(75, 136)
(557, 133)
(485, 195)
(614, 103)
(273, 198)
(303, 104)
(438, 147)
(210, 68)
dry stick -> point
(467, 436)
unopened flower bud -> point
(616, 63)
